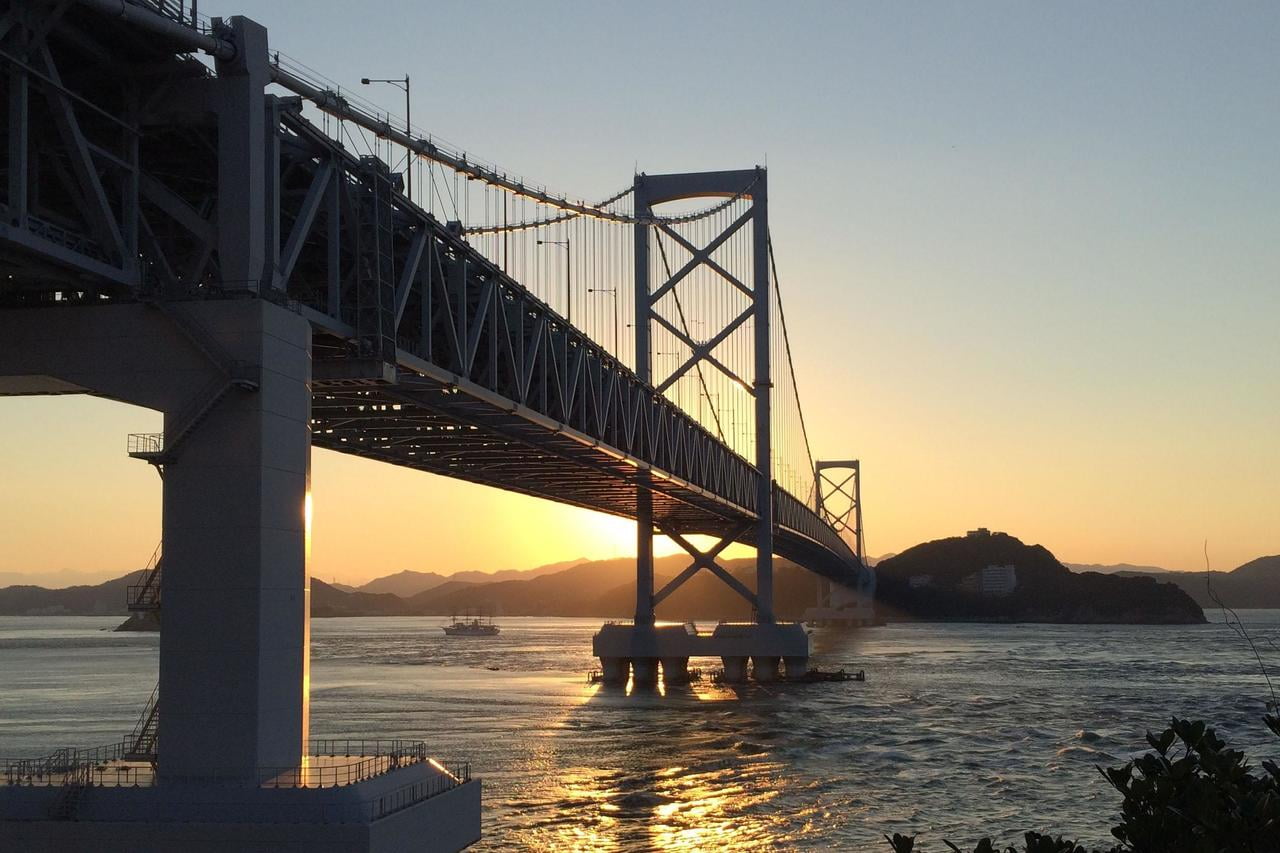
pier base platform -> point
(639, 650)
(117, 807)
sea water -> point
(959, 731)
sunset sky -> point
(1031, 257)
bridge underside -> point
(431, 420)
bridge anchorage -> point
(185, 225)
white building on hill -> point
(998, 581)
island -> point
(989, 576)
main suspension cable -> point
(786, 342)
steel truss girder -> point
(71, 195)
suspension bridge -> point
(195, 222)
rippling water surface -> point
(959, 730)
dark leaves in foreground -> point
(1191, 794)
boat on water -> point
(472, 626)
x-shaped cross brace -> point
(706, 560)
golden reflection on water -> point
(657, 774)
(667, 809)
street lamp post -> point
(408, 126)
(568, 274)
(612, 291)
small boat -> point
(471, 627)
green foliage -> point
(1034, 841)
(1191, 794)
(1194, 794)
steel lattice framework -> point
(135, 171)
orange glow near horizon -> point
(74, 500)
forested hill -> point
(945, 586)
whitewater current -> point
(959, 731)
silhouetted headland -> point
(995, 577)
(961, 578)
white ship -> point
(472, 627)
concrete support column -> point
(234, 662)
(644, 553)
(615, 671)
(645, 671)
(675, 671)
(764, 668)
(735, 669)
(795, 667)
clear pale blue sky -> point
(1058, 224)
(1031, 252)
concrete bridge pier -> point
(764, 668)
(645, 671)
(675, 670)
(735, 668)
(615, 671)
(232, 378)
(795, 667)
(672, 646)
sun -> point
(607, 535)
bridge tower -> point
(837, 497)
(767, 643)
(653, 190)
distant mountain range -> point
(606, 588)
(1254, 584)
(58, 578)
(603, 588)
(104, 599)
(1117, 569)
(409, 583)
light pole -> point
(612, 291)
(568, 275)
(408, 127)
(659, 356)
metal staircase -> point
(144, 596)
(73, 790)
(141, 743)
